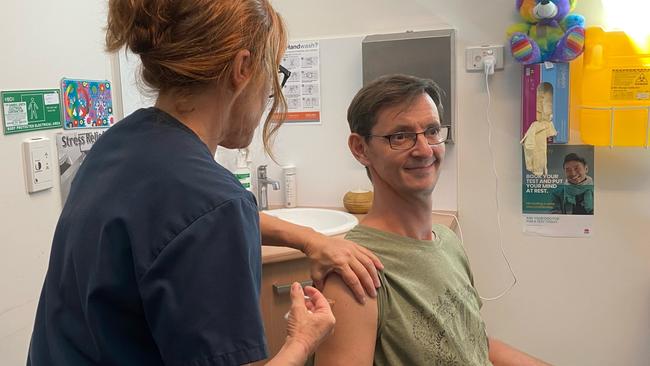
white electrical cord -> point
(488, 63)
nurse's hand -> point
(309, 322)
(356, 265)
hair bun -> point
(140, 25)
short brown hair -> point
(187, 44)
(574, 157)
(388, 91)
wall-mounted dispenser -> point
(611, 90)
(426, 54)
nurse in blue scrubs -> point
(156, 256)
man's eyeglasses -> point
(284, 73)
(406, 140)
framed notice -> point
(87, 104)
(30, 110)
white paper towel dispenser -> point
(426, 54)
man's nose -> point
(422, 147)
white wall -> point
(326, 169)
(578, 302)
(42, 42)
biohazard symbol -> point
(641, 80)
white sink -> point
(326, 222)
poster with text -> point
(302, 90)
(561, 203)
(30, 110)
(72, 147)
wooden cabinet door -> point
(275, 300)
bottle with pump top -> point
(243, 172)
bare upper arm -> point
(353, 340)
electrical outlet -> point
(37, 154)
(474, 57)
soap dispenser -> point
(243, 172)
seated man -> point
(427, 310)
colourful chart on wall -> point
(87, 104)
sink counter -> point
(272, 254)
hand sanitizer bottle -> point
(243, 172)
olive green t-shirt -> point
(428, 309)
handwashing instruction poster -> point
(302, 90)
(561, 203)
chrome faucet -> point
(262, 182)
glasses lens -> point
(443, 134)
(402, 140)
(436, 135)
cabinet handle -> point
(286, 288)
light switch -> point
(37, 156)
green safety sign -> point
(31, 110)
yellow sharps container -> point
(611, 90)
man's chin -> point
(422, 189)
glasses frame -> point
(415, 138)
(286, 74)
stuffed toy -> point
(549, 32)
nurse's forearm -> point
(282, 233)
(502, 354)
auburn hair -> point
(187, 44)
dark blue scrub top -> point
(155, 259)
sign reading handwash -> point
(302, 90)
(30, 110)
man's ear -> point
(242, 71)
(359, 147)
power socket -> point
(474, 57)
(37, 156)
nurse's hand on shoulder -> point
(308, 323)
(356, 265)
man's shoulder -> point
(371, 238)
